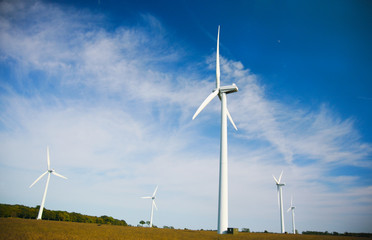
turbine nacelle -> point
(229, 89)
(290, 208)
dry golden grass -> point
(17, 229)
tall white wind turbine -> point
(152, 204)
(292, 208)
(223, 187)
(280, 200)
(49, 171)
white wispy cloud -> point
(294, 130)
(116, 112)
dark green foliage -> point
(20, 211)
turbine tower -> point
(223, 187)
(280, 200)
(292, 208)
(49, 171)
(152, 205)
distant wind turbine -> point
(49, 171)
(280, 200)
(152, 204)
(292, 208)
(223, 187)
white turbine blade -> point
(218, 72)
(230, 118)
(59, 175)
(153, 202)
(289, 209)
(146, 197)
(48, 160)
(275, 179)
(280, 177)
(291, 201)
(156, 189)
(206, 101)
(42, 175)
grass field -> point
(20, 229)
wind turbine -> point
(292, 208)
(280, 200)
(49, 171)
(152, 205)
(223, 187)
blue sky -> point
(111, 89)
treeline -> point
(20, 211)
(338, 234)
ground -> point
(17, 229)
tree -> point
(107, 219)
(148, 223)
(21, 211)
(64, 216)
(246, 230)
(142, 222)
